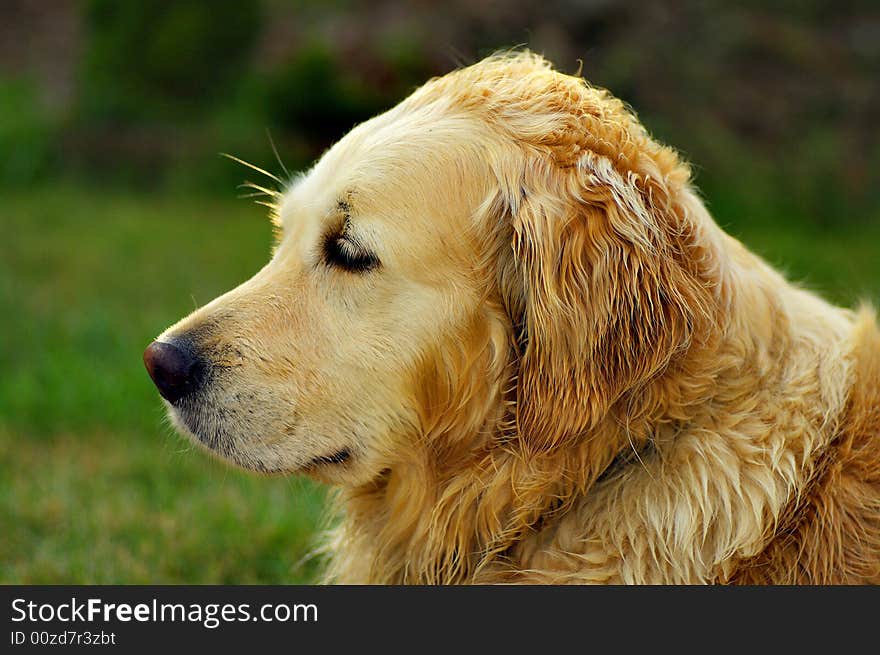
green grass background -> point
(94, 485)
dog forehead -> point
(397, 167)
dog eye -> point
(341, 252)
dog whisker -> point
(253, 167)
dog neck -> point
(471, 505)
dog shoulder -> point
(831, 532)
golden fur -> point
(562, 370)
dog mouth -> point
(216, 440)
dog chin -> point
(213, 444)
(332, 466)
(219, 444)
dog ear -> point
(601, 287)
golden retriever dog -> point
(499, 320)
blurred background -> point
(118, 215)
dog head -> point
(505, 248)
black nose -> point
(174, 369)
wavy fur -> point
(556, 369)
(644, 401)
